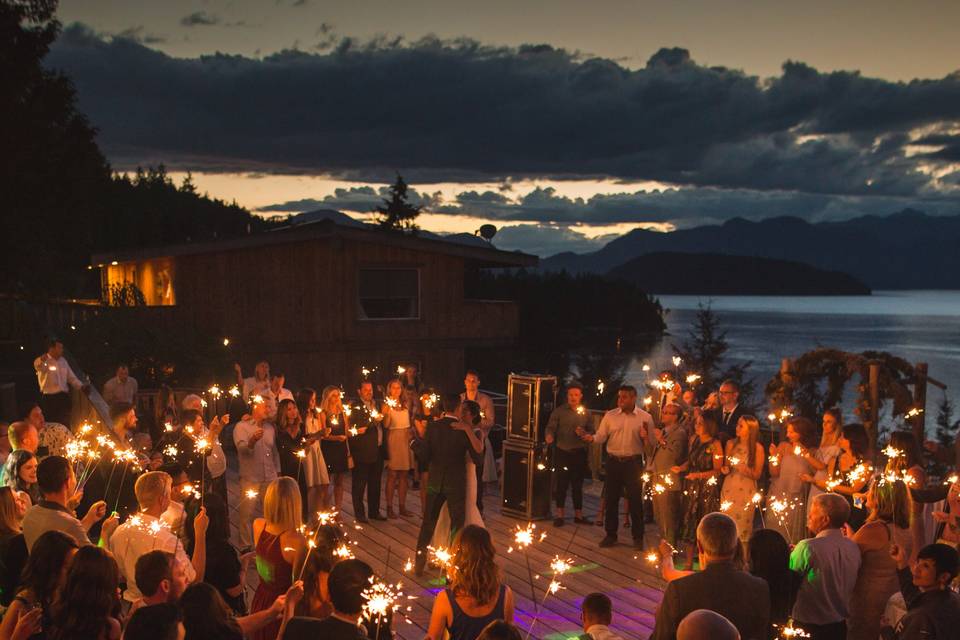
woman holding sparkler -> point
(315, 474)
(828, 450)
(790, 469)
(477, 594)
(399, 457)
(849, 472)
(334, 443)
(888, 524)
(904, 461)
(280, 546)
(700, 484)
(743, 467)
(316, 573)
(290, 446)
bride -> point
(441, 533)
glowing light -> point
(390, 402)
(797, 450)
(401, 370)
(774, 460)
(648, 400)
(677, 360)
(226, 342)
(326, 517)
(560, 566)
(554, 586)
(408, 565)
(380, 599)
(892, 452)
(757, 498)
(791, 631)
(913, 413)
(256, 399)
(301, 453)
(214, 391)
(600, 387)
(693, 378)
(171, 451)
(234, 391)
(523, 538)
(652, 557)
(712, 481)
(733, 460)
(725, 505)
(251, 494)
(440, 556)
(581, 410)
(343, 552)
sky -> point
(564, 123)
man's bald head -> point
(704, 624)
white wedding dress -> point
(441, 533)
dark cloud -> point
(139, 34)
(354, 199)
(546, 240)
(200, 19)
(461, 111)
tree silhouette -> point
(397, 213)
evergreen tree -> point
(397, 213)
(703, 354)
(947, 427)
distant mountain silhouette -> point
(906, 250)
(716, 274)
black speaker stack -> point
(526, 480)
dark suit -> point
(727, 429)
(444, 448)
(367, 463)
(741, 598)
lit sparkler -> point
(725, 506)
(677, 360)
(251, 494)
(693, 378)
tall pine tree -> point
(397, 213)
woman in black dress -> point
(701, 487)
(334, 444)
(290, 446)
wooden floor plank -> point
(620, 571)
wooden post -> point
(920, 402)
(874, 423)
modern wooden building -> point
(321, 300)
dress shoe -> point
(362, 519)
(377, 516)
(608, 541)
(582, 520)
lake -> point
(919, 326)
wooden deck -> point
(620, 572)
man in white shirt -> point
(255, 440)
(258, 385)
(280, 392)
(596, 614)
(829, 563)
(625, 430)
(216, 459)
(55, 378)
(144, 532)
(121, 387)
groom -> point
(447, 441)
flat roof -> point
(325, 229)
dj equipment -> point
(526, 481)
(526, 489)
(530, 399)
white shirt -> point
(216, 459)
(829, 564)
(602, 632)
(115, 392)
(284, 394)
(173, 517)
(262, 463)
(54, 376)
(131, 540)
(622, 431)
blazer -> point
(444, 450)
(364, 447)
(661, 457)
(741, 598)
(728, 428)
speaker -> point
(525, 484)
(530, 399)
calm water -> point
(919, 326)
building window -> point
(392, 294)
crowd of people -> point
(818, 530)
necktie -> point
(726, 417)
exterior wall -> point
(297, 306)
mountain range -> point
(905, 250)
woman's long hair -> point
(475, 570)
(906, 443)
(859, 442)
(892, 501)
(282, 421)
(48, 557)
(206, 616)
(327, 400)
(303, 403)
(282, 504)
(769, 558)
(806, 430)
(9, 513)
(11, 470)
(320, 561)
(753, 435)
(88, 598)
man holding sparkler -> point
(259, 464)
(445, 446)
(666, 449)
(729, 412)
(563, 430)
(625, 430)
(366, 448)
(56, 378)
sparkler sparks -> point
(692, 378)
(712, 481)
(733, 460)
(652, 557)
(913, 413)
(797, 450)
(581, 410)
(234, 391)
(790, 631)
(440, 556)
(380, 600)
(725, 506)
(214, 391)
(251, 494)
(226, 342)
(774, 460)
(326, 517)
(892, 452)
(601, 385)
(560, 566)
(677, 360)
(343, 552)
